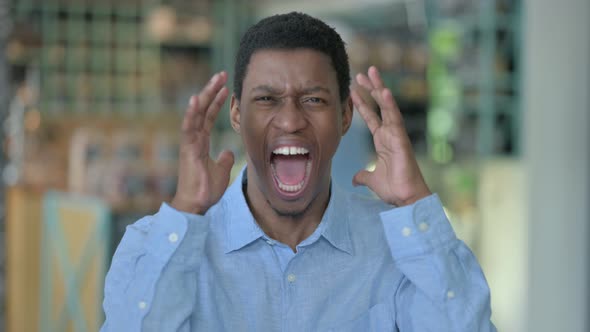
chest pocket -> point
(380, 317)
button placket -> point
(450, 294)
(291, 278)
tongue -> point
(290, 169)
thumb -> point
(362, 178)
(225, 160)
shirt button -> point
(423, 226)
(173, 237)
(142, 305)
(270, 242)
(450, 294)
(406, 231)
(291, 278)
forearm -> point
(154, 251)
(444, 288)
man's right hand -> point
(202, 180)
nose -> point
(290, 117)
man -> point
(283, 248)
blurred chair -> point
(74, 259)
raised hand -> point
(397, 178)
(202, 180)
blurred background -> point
(495, 95)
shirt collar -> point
(242, 229)
(334, 225)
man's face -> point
(291, 119)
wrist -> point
(414, 198)
(186, 206)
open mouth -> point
(291, 166)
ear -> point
(346, 114)
(234, 113)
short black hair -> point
(291, 31)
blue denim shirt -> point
(367, 267)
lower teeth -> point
(296, 187)
(291, 188)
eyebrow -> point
(266, 89)
(316, 89)
(271, 90)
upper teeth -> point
(290, 150)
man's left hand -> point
(396, 178)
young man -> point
(283, 248)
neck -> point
(290, 229)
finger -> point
(362, 178)
(376, 94)
(377, 83)
(390, 113)
(195, 115)
(214, 108)
(191, 116)
(209, 92)
(364, 81)
(225, 160)
(375, 78)
(368, 115)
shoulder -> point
(363, 207)
(366, 230)
(364, 221)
